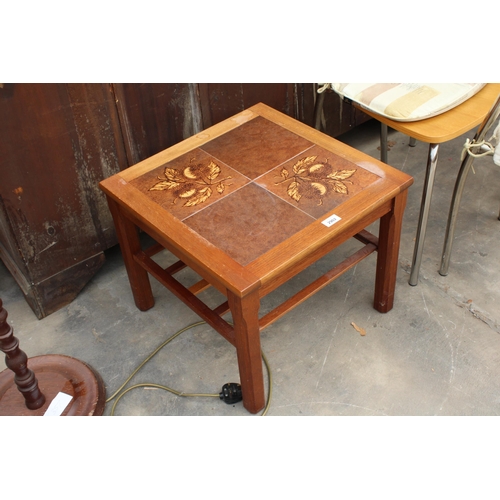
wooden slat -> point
(175, 267)
(199, 287)
(153, 249)
(206, 314)
(222, 309)
(366, 237)
(316, 285)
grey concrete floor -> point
(436, 353)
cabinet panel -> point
(223, 100)
(57, 142)
(154, 116)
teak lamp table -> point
(248, 204)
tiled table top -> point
(253, 187)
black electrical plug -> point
(231, 393)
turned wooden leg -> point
(247, 341)
(388, 253)
(17, 361)
(128, 237)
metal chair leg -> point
(452, 216)
(459, 186)
(383, 142)
(424, 213)
(413, 142)
(318, 110)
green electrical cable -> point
(118, 394)
(161, 346)
(269, 385)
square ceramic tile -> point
(189, 183)
(248, 223)
(256, 147)
(317, 181)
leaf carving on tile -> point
(193, 183)
(293, 190)
(314, 179)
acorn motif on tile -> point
(314, 180)
(194, 184)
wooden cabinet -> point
(57, 141)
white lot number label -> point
(58, 405)
(331, 220)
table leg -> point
(247, 341)
(128, 237)
(388, 252)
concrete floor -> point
(436, 353)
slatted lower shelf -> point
(214, 316)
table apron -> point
(220, 284)
(273, 280)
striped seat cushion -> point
(407, 101)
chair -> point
(483, 108)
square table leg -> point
(128, 237)
(245, 312)
(388, 253)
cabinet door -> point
(223, 100)
(57, 141)
(154, 116)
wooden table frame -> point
(245, 285)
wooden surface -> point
(56, 373)
(451, 124)
(56, 142)
(243, 203)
